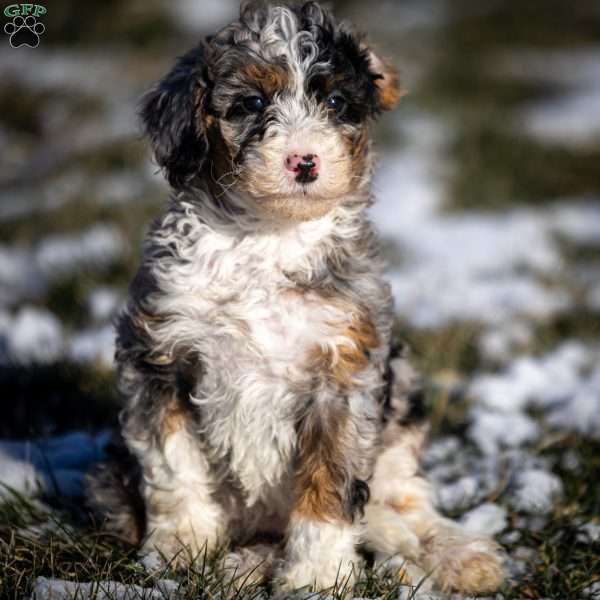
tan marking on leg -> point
(404, 503)
(174, 418)
(320, 479)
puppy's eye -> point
(254, 104)
(336, 102)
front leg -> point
(183, 520)
(334, 448)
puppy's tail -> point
(112, 492)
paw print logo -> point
(24, 31)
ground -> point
(488, 203)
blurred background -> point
(488, 194)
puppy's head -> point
(273, 112)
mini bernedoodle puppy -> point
(263, 399)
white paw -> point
(175, 550)
(307, 575)
(249, 566)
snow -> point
(17, 475)
(590, 532)
(34, 335)
(468, 266)
(572, 118)
(97, 247)
(152, 561)
(557, 383)
(578, 221)
(492, 431)
(58, 589)
(499, 343)
(488, 519)
(457, 495)
(19, 276)
(440, 450)
(536, 491)
(580, 412)
(592, 591)
(93, 346)
(103, 302)
(26, 273)
(530, 380)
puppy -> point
(263, 399)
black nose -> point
(307, 163)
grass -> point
(85, 554)
(566, 560)
(65, 543)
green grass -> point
(85, 554)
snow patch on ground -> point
(33, 335)
(492, 431)
(469, 266)
(561, 383)
(529, 380)
(93, 346)
(103, 303)
(58, 589)
(580, 412)
(20, 278)
(487, 519)
(571, 119)
(26, 273)
(96, 248)
(499, 343)
(536, 491)
(18, 475)
(458, 495)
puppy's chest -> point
(289, 324)
(307, 334)
(298, 341)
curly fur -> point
(262, 398)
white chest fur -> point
(232, 302)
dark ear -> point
(389, 90)
(171, 114)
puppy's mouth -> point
(301, 192)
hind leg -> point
(401, 515)
(402, 519)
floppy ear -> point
(171, 114)
(387, 81)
